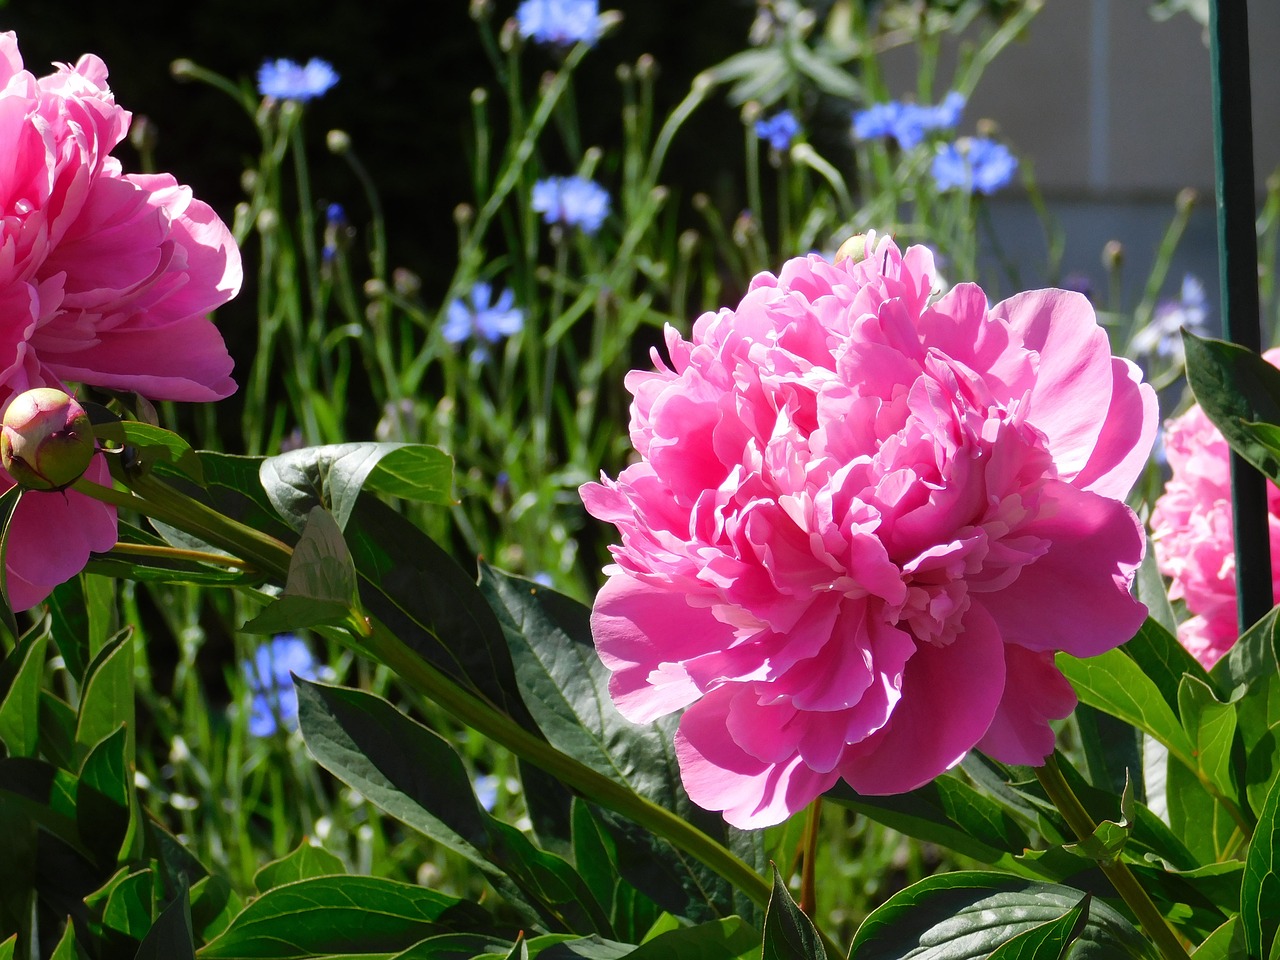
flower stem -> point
(1117, 871)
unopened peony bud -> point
(856, 248)
(46, 440)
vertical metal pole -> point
(1238, 274)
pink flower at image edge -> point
(862, 522)
(106, 279)
(1191, 527)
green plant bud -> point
(46, 439)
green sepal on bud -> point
(46, 439)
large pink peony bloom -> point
(862, 521)
(1191, 527)
(105, 279)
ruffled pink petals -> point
(718, 774)
(950, 694)
(862, 522)
(643, 634)
(1073, 375)
(1035, 693)
(1096, 546)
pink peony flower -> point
(1191, 526)
(862, 521)
(106, 278)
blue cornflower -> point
(908, 123)
(573, 201)
(286, 80)
(1162, 337)
(779, 130)
(478, 315)
(973, 164)
(335, 228)
(275, 701)
(559, 22)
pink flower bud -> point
(46, 439)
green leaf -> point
(1149, 587)
(1049, 941)
(333, 476)
(170, 938)
(153, 445)
(1235, 386)
(7, 948)
(66, 948)
(1250, 659)
(416, 776)
(1225, 943)
(1163, 660)
(946, 811)
(431, 605)
(21, 677)
(1114, 683)
(305, 862)
(1200, 822)
(1211, 727)
(414, 472)
(454, 946)
(335, 916)
(1260, 886)
(788, 933)
(106, 702)
(213, 906)
(1262, 768)
(320, 589)
(125, 905)
(103, 795)
(729, 939)
(964, 915)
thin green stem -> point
(1117, 871)
(174, 553)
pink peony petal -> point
(51, 536)
(949, 696)
(1035, 692)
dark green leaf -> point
(333, 476)
(946, 811)
(966, 915)
(1262, 768)
(1049, 941)
(21, 677)
(728, 939)
(1234, 385)
(103, 798)
(213, 906)
(125, 905)
(788, 933)
(321, 586)
(416, 776)
(454, 946)
(1260, 886)
(334, 916)
(305, 862)
(170, 938)
(426, 600)
(106, 702)
(153, 445)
